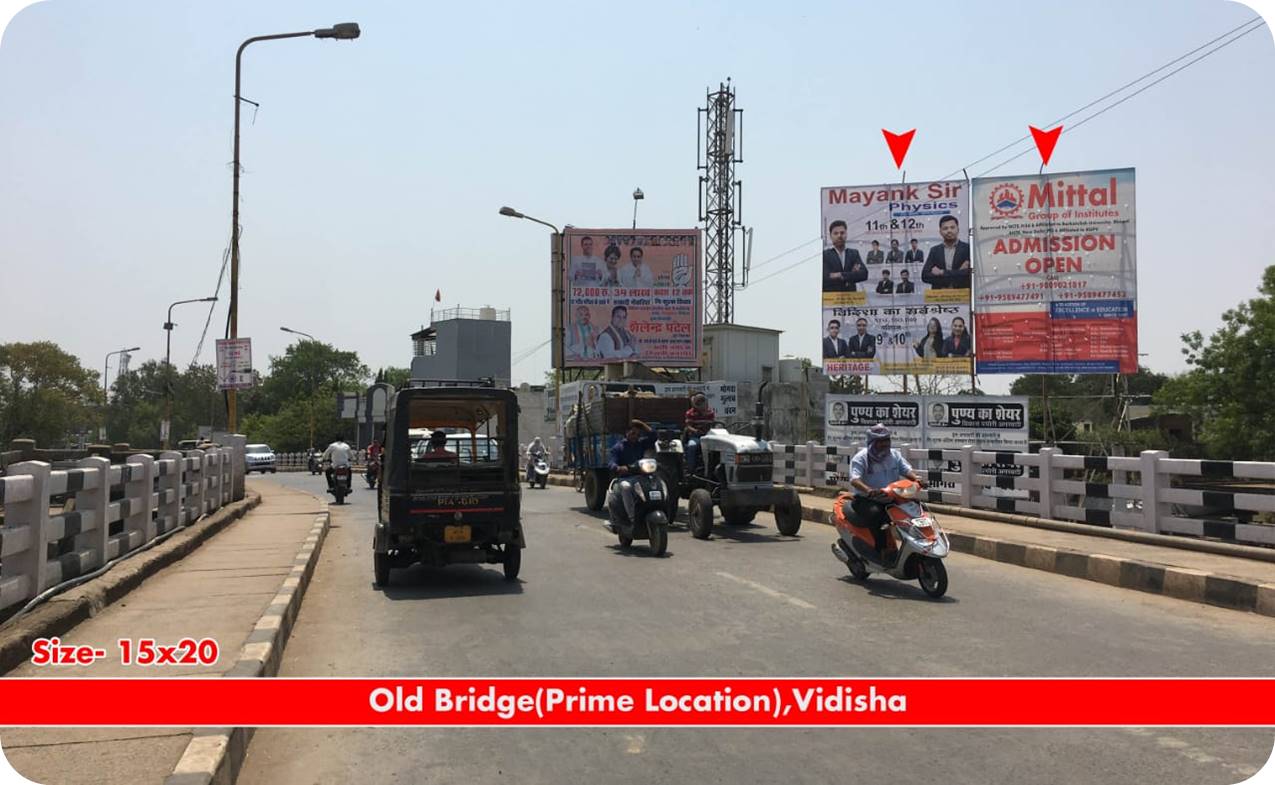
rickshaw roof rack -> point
(486, 381)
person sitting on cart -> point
(871, 469)
(699, 418)
(625, 455)
(438, 448)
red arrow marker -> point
(899, 144)
(1045, 141)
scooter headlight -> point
(907, 491)
(648, 466)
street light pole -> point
(637, 196)
(167, 424)
(558, 262)
(313, 384)
(106, 390)
(344, 31)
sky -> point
(374, 169)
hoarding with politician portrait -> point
(895, 279)
(631, 295)
(1056, 273)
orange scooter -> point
(915, 543)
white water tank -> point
(790, 370)
(487, 312)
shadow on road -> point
(637, 549)
(750, 532)
(461, 580)
(890, 589)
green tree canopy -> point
(1227, 390)
(45, 394)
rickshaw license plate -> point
(456, 534)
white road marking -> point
(769, 592)
(1187, 751)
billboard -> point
(936, 422)
(895, 279)
(234, 363)
(1056, 273)
(631, 295)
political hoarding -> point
(1056, 273)
(234, 364)
(938, 422)
(631, 295)
(895, 279)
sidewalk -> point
(219, 591)
(1231, 581)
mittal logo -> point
(1006, 200)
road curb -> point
(214, 756)
(1226, 591)
(61, 613)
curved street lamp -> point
(345, 31)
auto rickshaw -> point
(456, 500)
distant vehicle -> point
(259, 458)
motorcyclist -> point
(535, 451)
(699, 418)
(337, 454)
(625, 455)
(374, 451)
(872, 468)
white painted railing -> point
(1144, 492)
(117, 509)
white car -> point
(259, 458)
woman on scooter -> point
(535, 451)
(872, 468)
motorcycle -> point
(341, 483)
(537, 472)
(314, 462)
(372, 472)
(915, 543)
(650, 506)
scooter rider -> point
(871, 469)
(535, 451)
(624, 457)
(337, 454)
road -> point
(746, 603)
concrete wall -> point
(468, 349)
(740, 353)
(531, 418)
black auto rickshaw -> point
(456, 498)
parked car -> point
(259, 458)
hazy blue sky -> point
(374, 168)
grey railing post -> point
(32, 513)
(140, 493)
(94, 501)
(170, 484)
(967, 476)
(814, 469)
(1152, 509)
(1047, 477)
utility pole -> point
(719, 126)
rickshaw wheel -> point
(381, 568)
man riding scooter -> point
(625, 455)
(871, 469)
(536, 451)
(699, 418)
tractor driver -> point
(699, 418)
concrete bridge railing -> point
(1232, 501)
(61, 522)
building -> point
(740, 353)
(464, 343)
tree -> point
(45, 394)
(396, 377)
(1074, 398)
(1227, 390)
(303, 369)
(138, 403)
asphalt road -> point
(747, 602)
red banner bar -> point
(187, 702)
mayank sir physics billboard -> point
(1051, 276)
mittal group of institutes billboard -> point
(895, 279)
(631, 295)
(1056, 276)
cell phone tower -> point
(718, 147)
